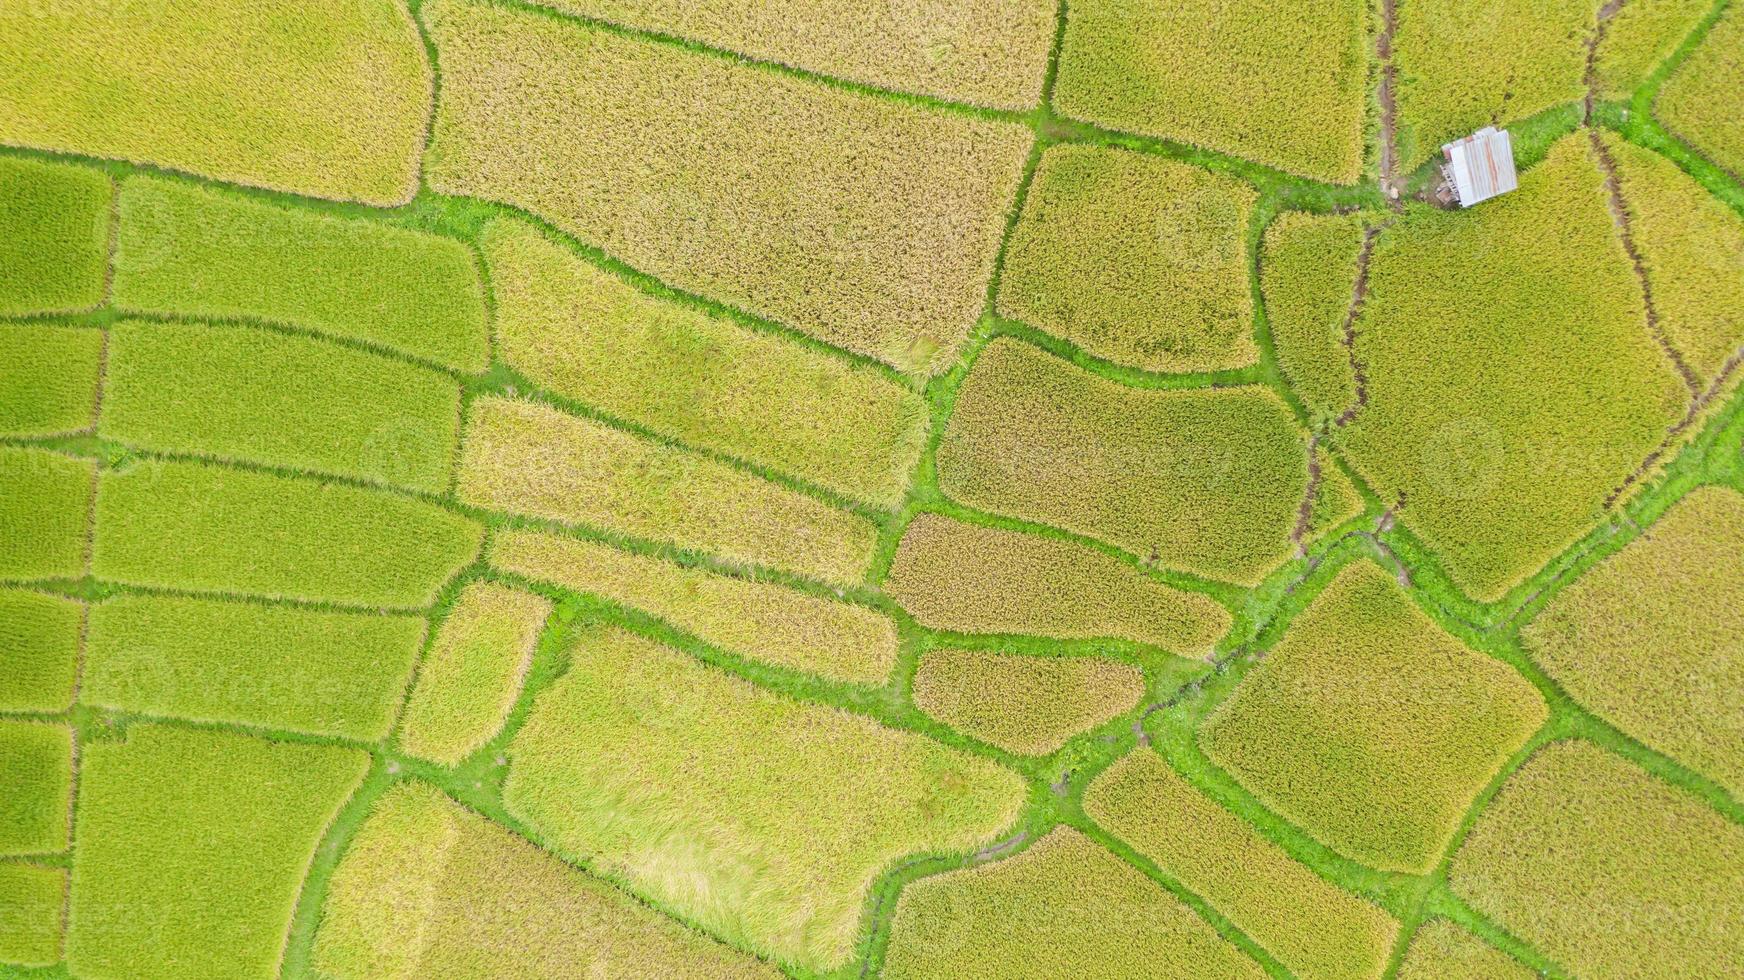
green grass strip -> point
(36, 767)
(44, 510)
(303, 670)
(190, 250)
(249, 395)
(31, 900)
(50, 384)
(39, 634)
(192, 848)
(196, 526)
(54, 235)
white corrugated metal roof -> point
(1481, 165)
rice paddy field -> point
(839, 489)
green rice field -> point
(840, 489)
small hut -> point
(1481, 166)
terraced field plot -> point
(836, 489)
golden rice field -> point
(839, 489)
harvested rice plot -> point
(1371, 727)
(248, 395)
(36, 767)
(1605, 869)
(39, 642)
(1652, 639)
(1505, 444)
(472, 675)
(193, 846)
(1207, 481)
(280, 667)
(1135, 259)
(1692, 248)
(31, 898)
(428, 889)
(1309, 265)
(785, 813)
(259, 93)
(54, 235)
(760, 621)
(49, 387)
(1280, 82)
(966, 578)
(45, 502)
(865, 222)
(202, 527)
(1700, 101)
(1311, 926)
(185, 250)
(698, 376)
(1443, 951)
(525, 458)
(1027, 705)
(987, 52)
(1064, 907)
(1463, 66)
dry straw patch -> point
(698, 376)
(1504, 444)
(256, 92)
(987, 52)
(526, 458)
(1653, 637)
(1463, 66)
(1207, 481)
(1606, 869)
(785, 811)
(31, 899)
(282, 667)
(1700, 102)
(868, 223)
(1135, 259)
(1308, 271)
(428, 889)
(1443, 951)
(757, 620)
(965, 578)
(1692, 248)
(1065, 907)
(39, 634)
(44, 513)
(50, 384)
(193, 846)
(189, 250)
(202, 527)
(1023, 704)
(1281, 82)
(1370, 727)
(1314, 929)
(54, 233)
(242, 394)
(471, 677)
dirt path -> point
(1698, 406)
(1359, 293)
(1626, 232)
(1596, 38)
(1387, 94)
(1305, 513)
